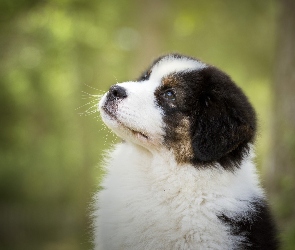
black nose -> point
(117, 92)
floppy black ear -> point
(224, 122)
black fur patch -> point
(222, 121)
(258, 229)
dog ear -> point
(224, 120)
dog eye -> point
(169, 95)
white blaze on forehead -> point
(170, 64)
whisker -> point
(92, 87)
(96, 97)
(91, 102)
(115, 78)
(108, 135)
(88, 113)
(91, 95)
(93, 106)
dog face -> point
(186, 106)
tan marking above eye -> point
(169, 81)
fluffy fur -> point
(184, 177)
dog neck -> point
(167, 174)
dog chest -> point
(144, 208)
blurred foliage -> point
(57, 55)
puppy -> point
(183, 177)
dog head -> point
(186, 106)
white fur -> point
(169, 65)
(150, 202)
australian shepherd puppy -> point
(183, 177)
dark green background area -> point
(58, 56)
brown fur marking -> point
(182, 148)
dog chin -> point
(121, 129)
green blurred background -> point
(57, 55)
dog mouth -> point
(136, 133)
